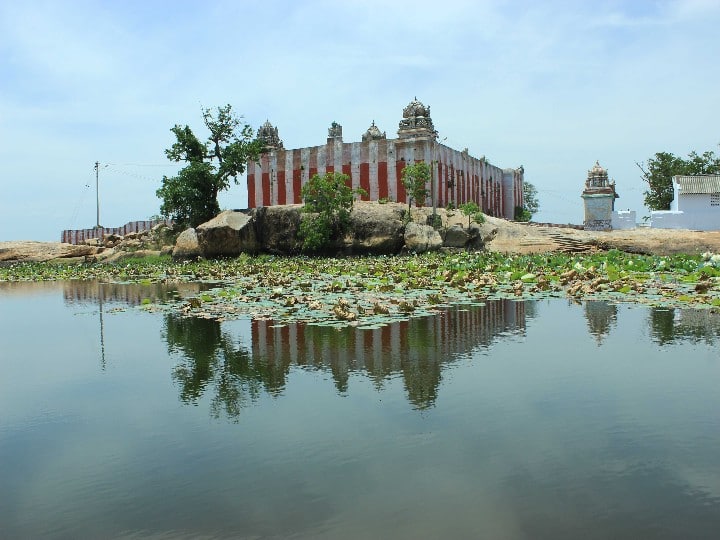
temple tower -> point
(416, 122)
(599, 197)
(269, 137)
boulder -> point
(186, 245)
(112, 240)
(421, 238)
(43, 251)
(228, 234)
(277, 228)
(376, 228)
(456, 237)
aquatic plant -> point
(371, 291)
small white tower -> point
(599, 197)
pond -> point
(511, 420)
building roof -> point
(702, 183)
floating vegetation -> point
(373, 291)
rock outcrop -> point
(376, 228)
(228, 234)
(44, 251)
(421, 238)
(277, 228)
(187, 246)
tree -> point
(663, 166)
(530, 206)
(190, 198)
(473, 213)
(328, 203)
(415, 177)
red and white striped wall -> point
(376, 166)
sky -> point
(552, 86)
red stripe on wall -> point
(365, 180)
(382, 180)
(346, 168)
(401, 194)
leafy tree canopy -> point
(659, 170)
(190, 198)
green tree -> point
(328, 203)
(190, 198)
(660, 169)
(473, 213)
(415, 177)
(530, 206)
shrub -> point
(328, 203)
(473, 213)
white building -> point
(696, 204)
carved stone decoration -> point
(373, 133)
(416, 121)
(597, 177)
(269, 137)
(335, 131)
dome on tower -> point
(416, 121)
(597, 177)
(373, 133)
(416, 108)
(597, 170)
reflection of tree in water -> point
(601, 317)
(212, 362)
(668, 325)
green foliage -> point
(190, 198)
(521, 214)
(473, 213)
(415, 177)
(530, 206)
(328, 203)
(663, 166)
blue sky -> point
(552, 86)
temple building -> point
(376, 163)
(599, 197)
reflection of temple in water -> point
(215, 361)
(601, 317)
(417, 348)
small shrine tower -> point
(268, 136)
(599, 197)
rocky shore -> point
(375, 229)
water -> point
(513, 420)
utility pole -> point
(97, 192)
